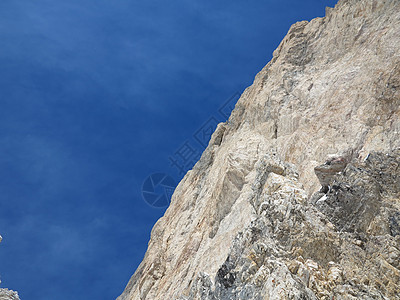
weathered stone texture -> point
(6, 294)
(252, 220)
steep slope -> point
(248, 223)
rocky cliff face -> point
(297, 196)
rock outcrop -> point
(297, 195)
(6, 294)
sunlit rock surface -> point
(6, 294)
(297, 195)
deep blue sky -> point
(95, 95)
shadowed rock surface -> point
(344, 245)
(297, 195)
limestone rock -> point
(6, 294)
(248, 221)
(289, 251)
(328, 170)
(363, 198)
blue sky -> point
(96, 95)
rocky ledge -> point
(342, 244)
